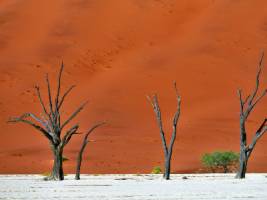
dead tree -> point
(50, 124)
(167, 150)
(84, 143)
(246, 106)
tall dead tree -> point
(84, 143)
(50, 125)
(167, 150)
(246, 106)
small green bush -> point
(217, 160)
(156, 170)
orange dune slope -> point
(117, 52)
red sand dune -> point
(118, 51)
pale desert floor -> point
(196, 186)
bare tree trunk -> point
(246, 107)
(167, 170)
(57, 171)
(242, 166)
(79, 162)
(243, 159)
(80, 154)
(167, 150)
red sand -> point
(116, 52)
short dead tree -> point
(84, 143)
(167, 150)
(50, 125)
(246, 106)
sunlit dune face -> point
(116, 52)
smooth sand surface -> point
(117, 52)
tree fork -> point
(167, 149)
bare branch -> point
(259, 98)
(175, 118)
(69, 134)
(260, 132)
(239, 91)
(150, 100)
(56, 112)
(73, 115)
(92, 129)
(176, 90)
(177, 113)
(42, 122)
(250, 101)
(246, 100)
(39, 128)
(64, 96)
(49, 96)
(59, 84)
(41, 101)
(251, 106)
(155, 105)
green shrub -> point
(217, 160)
(156, 170)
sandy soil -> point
(133, 187)
(118, 51)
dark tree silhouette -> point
(246, 106)
(84, 143)
(50, 125)
(167, 150)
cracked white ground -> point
(143, 187)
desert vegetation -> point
(225, 160)
(156, 170)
